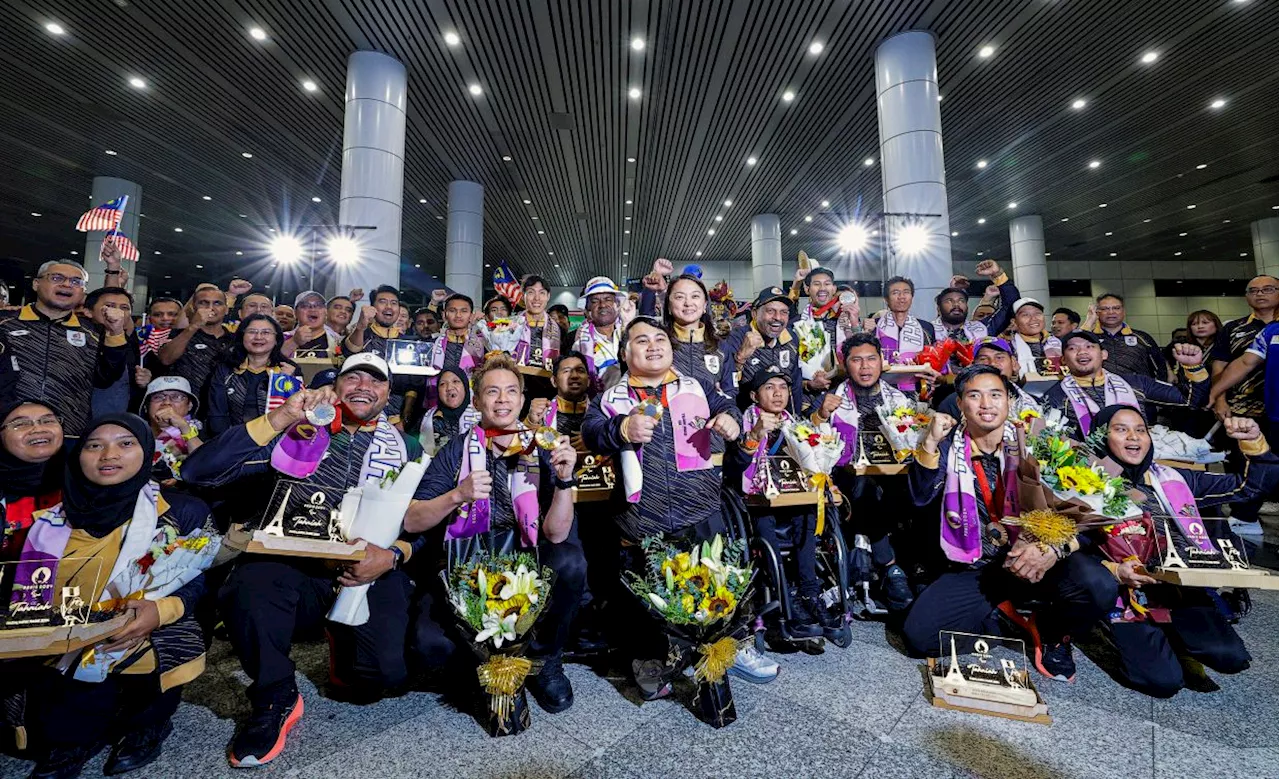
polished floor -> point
(857, 712)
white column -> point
(1266, 245)
(766, 253)
(911, 171)
(141, 294)
(372, 170)
(1026, 249)
(464, 239)
(106, 189)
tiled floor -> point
(857, 712)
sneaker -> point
(261, 739)
(897, 588)
(137, 749)
(1242, 528)
(64, 762)
(830, 621)
(803, 622)
(550, 687)
(751, 666)
(1055, 661)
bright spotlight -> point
(852, 238)
(286, 249)
(913, 239)
(344, 250)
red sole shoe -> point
(277, 748)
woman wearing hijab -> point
(1152, 618)
(31, 459)
(453, 415)
(150, 546)
(238, 387)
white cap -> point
(598, 285)
(366, 361)
(165, 384)
(1020, 302)
(309, 293)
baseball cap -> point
(311, 293)
(1085, 334)
(768, 295)
(994, 343)
(598, 285)
(165, 384)
(1020, 302)
(368, 362)
(764, 374)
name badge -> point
(75, 338)
(1131, 340)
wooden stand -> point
(1039, 713)
(533, 370)
(1252, 578)
(47, 641)
(258, 542)
(786, 499)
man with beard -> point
(425, 324)
(193, 352)
(966, 474)
(1128, 351)
(46, 351)
(310, 339)
(266, 599)
(566, 411)
(902, 336)
(953, 307)
(1037, 351)
(824, 307)
(598, 337)
(1089, 387)
(767, 340)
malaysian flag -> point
(127, 250)
(506, 284)
(105, 217)
(151, 338)
(280, 387)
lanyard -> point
(994, 501)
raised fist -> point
(1242, 428)
(988, 269)
(750, 343)
(940, 428)
(1188, 354)
(239, 286)
(640, 428)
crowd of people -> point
(117, 434)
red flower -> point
(902, 428)
(814, 439)
(146, 561)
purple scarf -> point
(900, 346)
(473, 519)
(687, 405)
(550, 346)
(1176, 498)
(961, 526)
(846, 417)
(1116, 391)
(756, 469)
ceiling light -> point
(1202, 166)
(939, 98)
(527, 202)
(1095, 163)
(1182, 235)
(808, 219)
(954, 234)
(1144, 221)
(628, 202)
(728, 204)
(552, 254)
(986, 51)
(1226, 221)
(244, 216)
(1064, 219)
(624, 254)
(816, 48)
(631, 159)
(1108, 233)
(54, 28)
(981, 164)
(794, 231)
(506, 158)
(637, 43)
(751, 160)
(111, 152)
(198, 267)
(257, 33)
(206, 197)
(475, 90)
(1219, 103)
(1193, 205)
(1177, 254)
(913, 239)
(73, 253)
(240, 253)
(1102, 205)
(625, 217)
(1149, 58)
(309, 85)
(177, 229)
(1078, 104)
(697, 254)
(626, 232)
(634, 93)
(246, 155)
(286, 249)
(719, 218)
(1113, 254)
(826, 204)
(36, 213)
(1244, 254)
(711, 231)
(869, 161)
(315, 200)
(451, 38)
(1013, 204)
(137, 83)
(534, 218)
(788, 96)
(541, 232)
(982, 220)
(852, 238)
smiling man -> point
(767, 340)
(193, 352)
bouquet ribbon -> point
(501, 676)
(716, 659)
(818, 481)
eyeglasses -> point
(266, 331)
(168, 397)
(312, 304)
(1109, 309)
(23, 424)
(58, 278)
(1268, 290)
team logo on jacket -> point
(1131, 340)
(712, 361)
(784, 358)
(75, 338)
(200, 346)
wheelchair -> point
(775, 594)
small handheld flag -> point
(127, 250)
(105, 217)
(506, 284)
(151, 338)
(280, 387)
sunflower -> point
(699, 578)
(721, 604)
(688, 604)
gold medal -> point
(652, 407)
(546, 437)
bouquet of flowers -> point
(816, 450)
(904, 425)
(172, 448)
(501, 335)
(1074, 477)
(699, 594)
(174, 560)
(497, 599)
(814, 347)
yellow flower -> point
(688, 604)
(721, 604)
(699, 577)
(1082, 479)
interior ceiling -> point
(556, 74)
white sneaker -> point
(1242, 528)
(752, 666)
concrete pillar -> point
(106, 189)
(1266, 245)
(911, 170)
(766, 254)
(464, 239)
(372, 171)
(141, 294)
(1026, 250)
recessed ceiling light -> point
(527, 202)
(628, 202)
(422, 200)
(637, 43)
(626, 232)
(697, 254)
(309, 85)
(1242, 254)
(1219, 103)
(1102, 205)
(869, 161)
(982, 220)
(451, 38)
(631, 159)
(625, 217)
(634, 93)
(711, 231)
(168, 277)
(816, 48)
(1065, 219)
(487, 265)
(111, 152)
(73, 253)
(137, 83)
(788, 96)
(244, 216)
(506, 158)
(1144, 221)
(1095, 163)
(179, 229)
(257, 33)
(1078, 103)
(1226, 221)
(981, 164)
(206, 197)
(794, 231)
(751, 160)
(417, 265)
(986, 51)
(1113, 254)
(36, 213)
(1108, 233)
(624, 265)
(1193, 205)
(553, 253)
(475, 90)
(624, 254)
(54, 28)
(198, 267)
(1202, 166)
(728, 204)
(954, 234)
(1149, 58)
(246, 155)
(825, 204)
(240, 253)
(315, 200)
(1013, 204)
(542, 232)
(1182, 235)
(1177, 254)
(534, 218)
(939, 98)
(719, 218)
(1050, 254)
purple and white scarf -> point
(473, 518)
(961, 525)
(1115, 391)
(601, 351)
(687, 405)
(550, 346)
(900, 345)
(1176, 498)
(846, 417)
(438, 348)
(756, 469)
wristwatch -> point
(110, 272)
(398, 554)
(562, 484)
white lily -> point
(482, 582)
(498, 629)
(522, 582)
(657, 601)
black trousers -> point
(1149, 651)
(266, 600)
(63, 712)
(798, 525)
(1076, 593)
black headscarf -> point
(21, 479)
(96, 509)
(453, 415)
(1134, 473)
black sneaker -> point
(261, 739)
(64, 762)
(804, 621)
(550, 687)
(1055, 661)
(897, 589)
(137, 749)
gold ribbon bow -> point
(818, 483)
(501, 676)
(716, 660)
